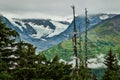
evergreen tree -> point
(53, 70)
(113, 71)
(7, 39)
(25, 68)
(85, 74)
(17, 59)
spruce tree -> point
(85, 73)
(112, 70)
(17, 59)
(25, 68)
(7, 39)
(53, 70)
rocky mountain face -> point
(45, 33)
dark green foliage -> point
(86, 74)
(19, 62)
(54, 70)
(5, 35)
(24, 73)
(25, 68)
(113, 69)
(5, 76)
(98, 72)
(15, 58)
(7, 39)
(110, 61)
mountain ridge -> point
(35, 31)
(101, 37)
(45, 33)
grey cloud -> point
(59, 7)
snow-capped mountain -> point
(92, 19)
(39, 28)
(39, 32)
(44, 33)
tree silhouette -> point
(113, 69)
(7, 39)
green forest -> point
(18, 61)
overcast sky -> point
(57, 8)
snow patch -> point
(61, 60)
(59, 28)
(97, 62)
(43, 39)
(103, 17)
(41, 30)
(15, 24)
(119, 62)
(93, 62)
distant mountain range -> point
(101, 38)
(39, 32)
(45, 33)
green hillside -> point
(101, 38)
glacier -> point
(45, 33)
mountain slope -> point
(45, 33)
(39, 32)
(101, 38)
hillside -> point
(101, 38)
(45, 33)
